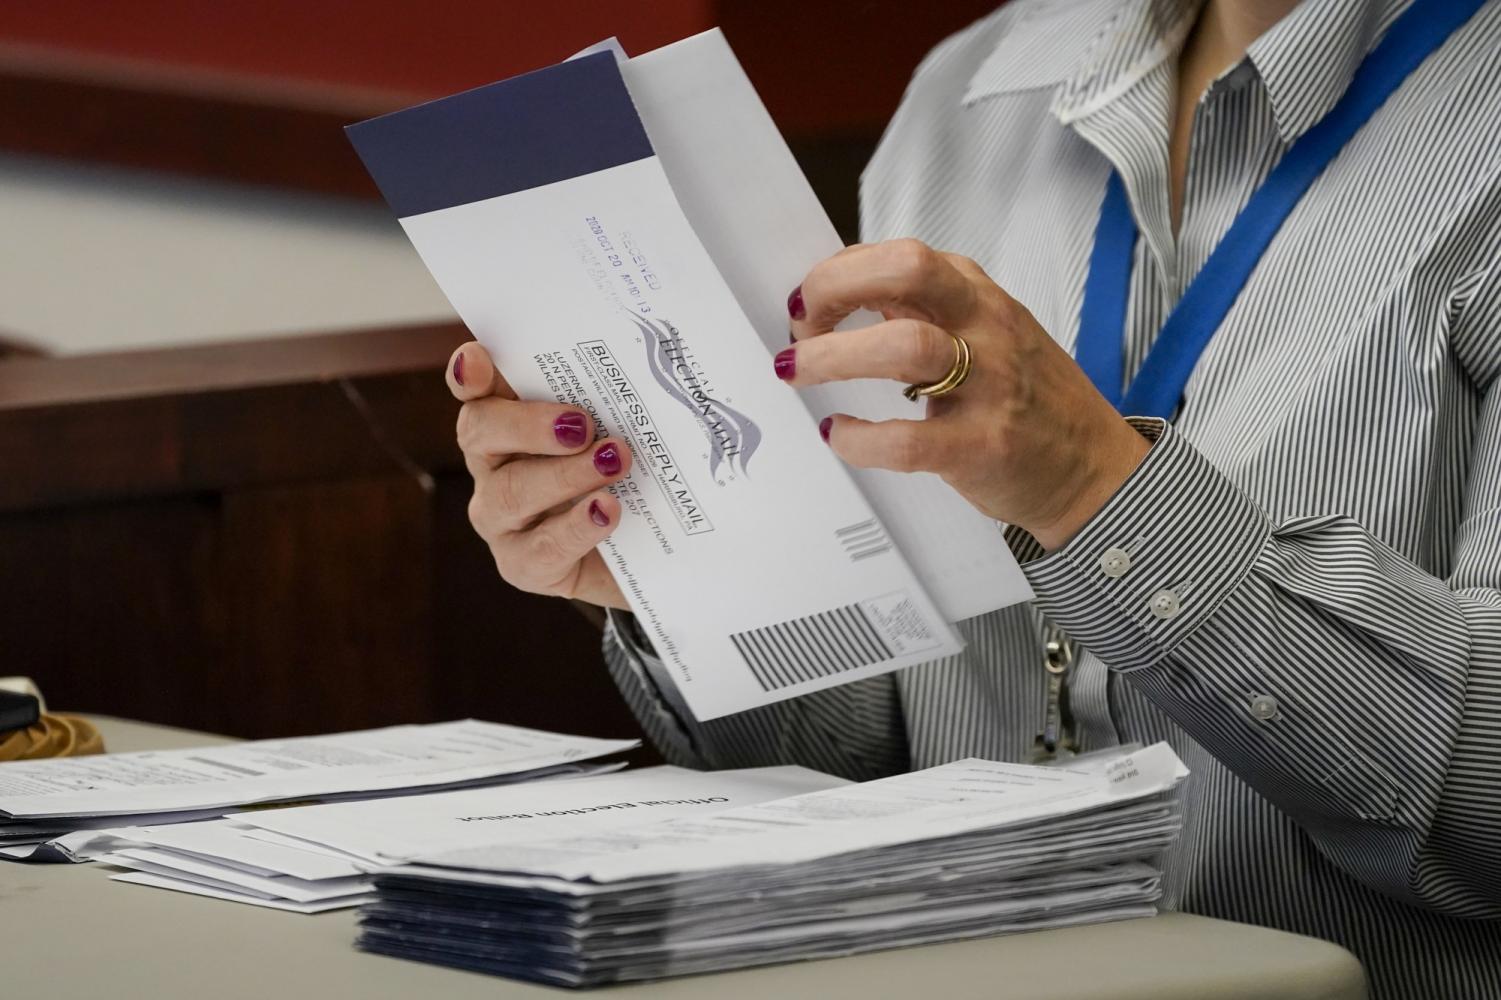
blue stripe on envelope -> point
(563, 121)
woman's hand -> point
(539, 484)
(1027, 439)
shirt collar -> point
(1305, 62)
(1041, 50)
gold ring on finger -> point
(953, 380)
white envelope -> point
(597, 275)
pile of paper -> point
(315, 858)
(219, 859)
(967, 849)
(44, 799)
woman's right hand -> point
(539, 484)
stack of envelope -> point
(47, 807)
(315, 858)
(967, 849)
(223, 860)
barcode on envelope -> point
(805, 649)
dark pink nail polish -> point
(795, 307)
(824, 427)
(785, 364)
(607, 459)
(571, 429)
(597, 514)
(458, 368)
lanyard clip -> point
(1057, 737)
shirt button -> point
(1115, 562)
(1164, 604)
(1264, 707)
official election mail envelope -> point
(757, 567)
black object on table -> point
(17, 711)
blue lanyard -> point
(1158, 386)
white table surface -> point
(67, 931)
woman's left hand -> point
(1027, 439)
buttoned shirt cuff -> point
(1171, 544)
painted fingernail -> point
(570, 429)
(607, 459)
(597, 514)
(458, 368)
(795, 307)
(785, 364)
(824, 427)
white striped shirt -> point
(1325, 510)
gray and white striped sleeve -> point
(855, 731)
(1355, 691)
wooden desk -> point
(68, 932)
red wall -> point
(425, 46)
(821, 65)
